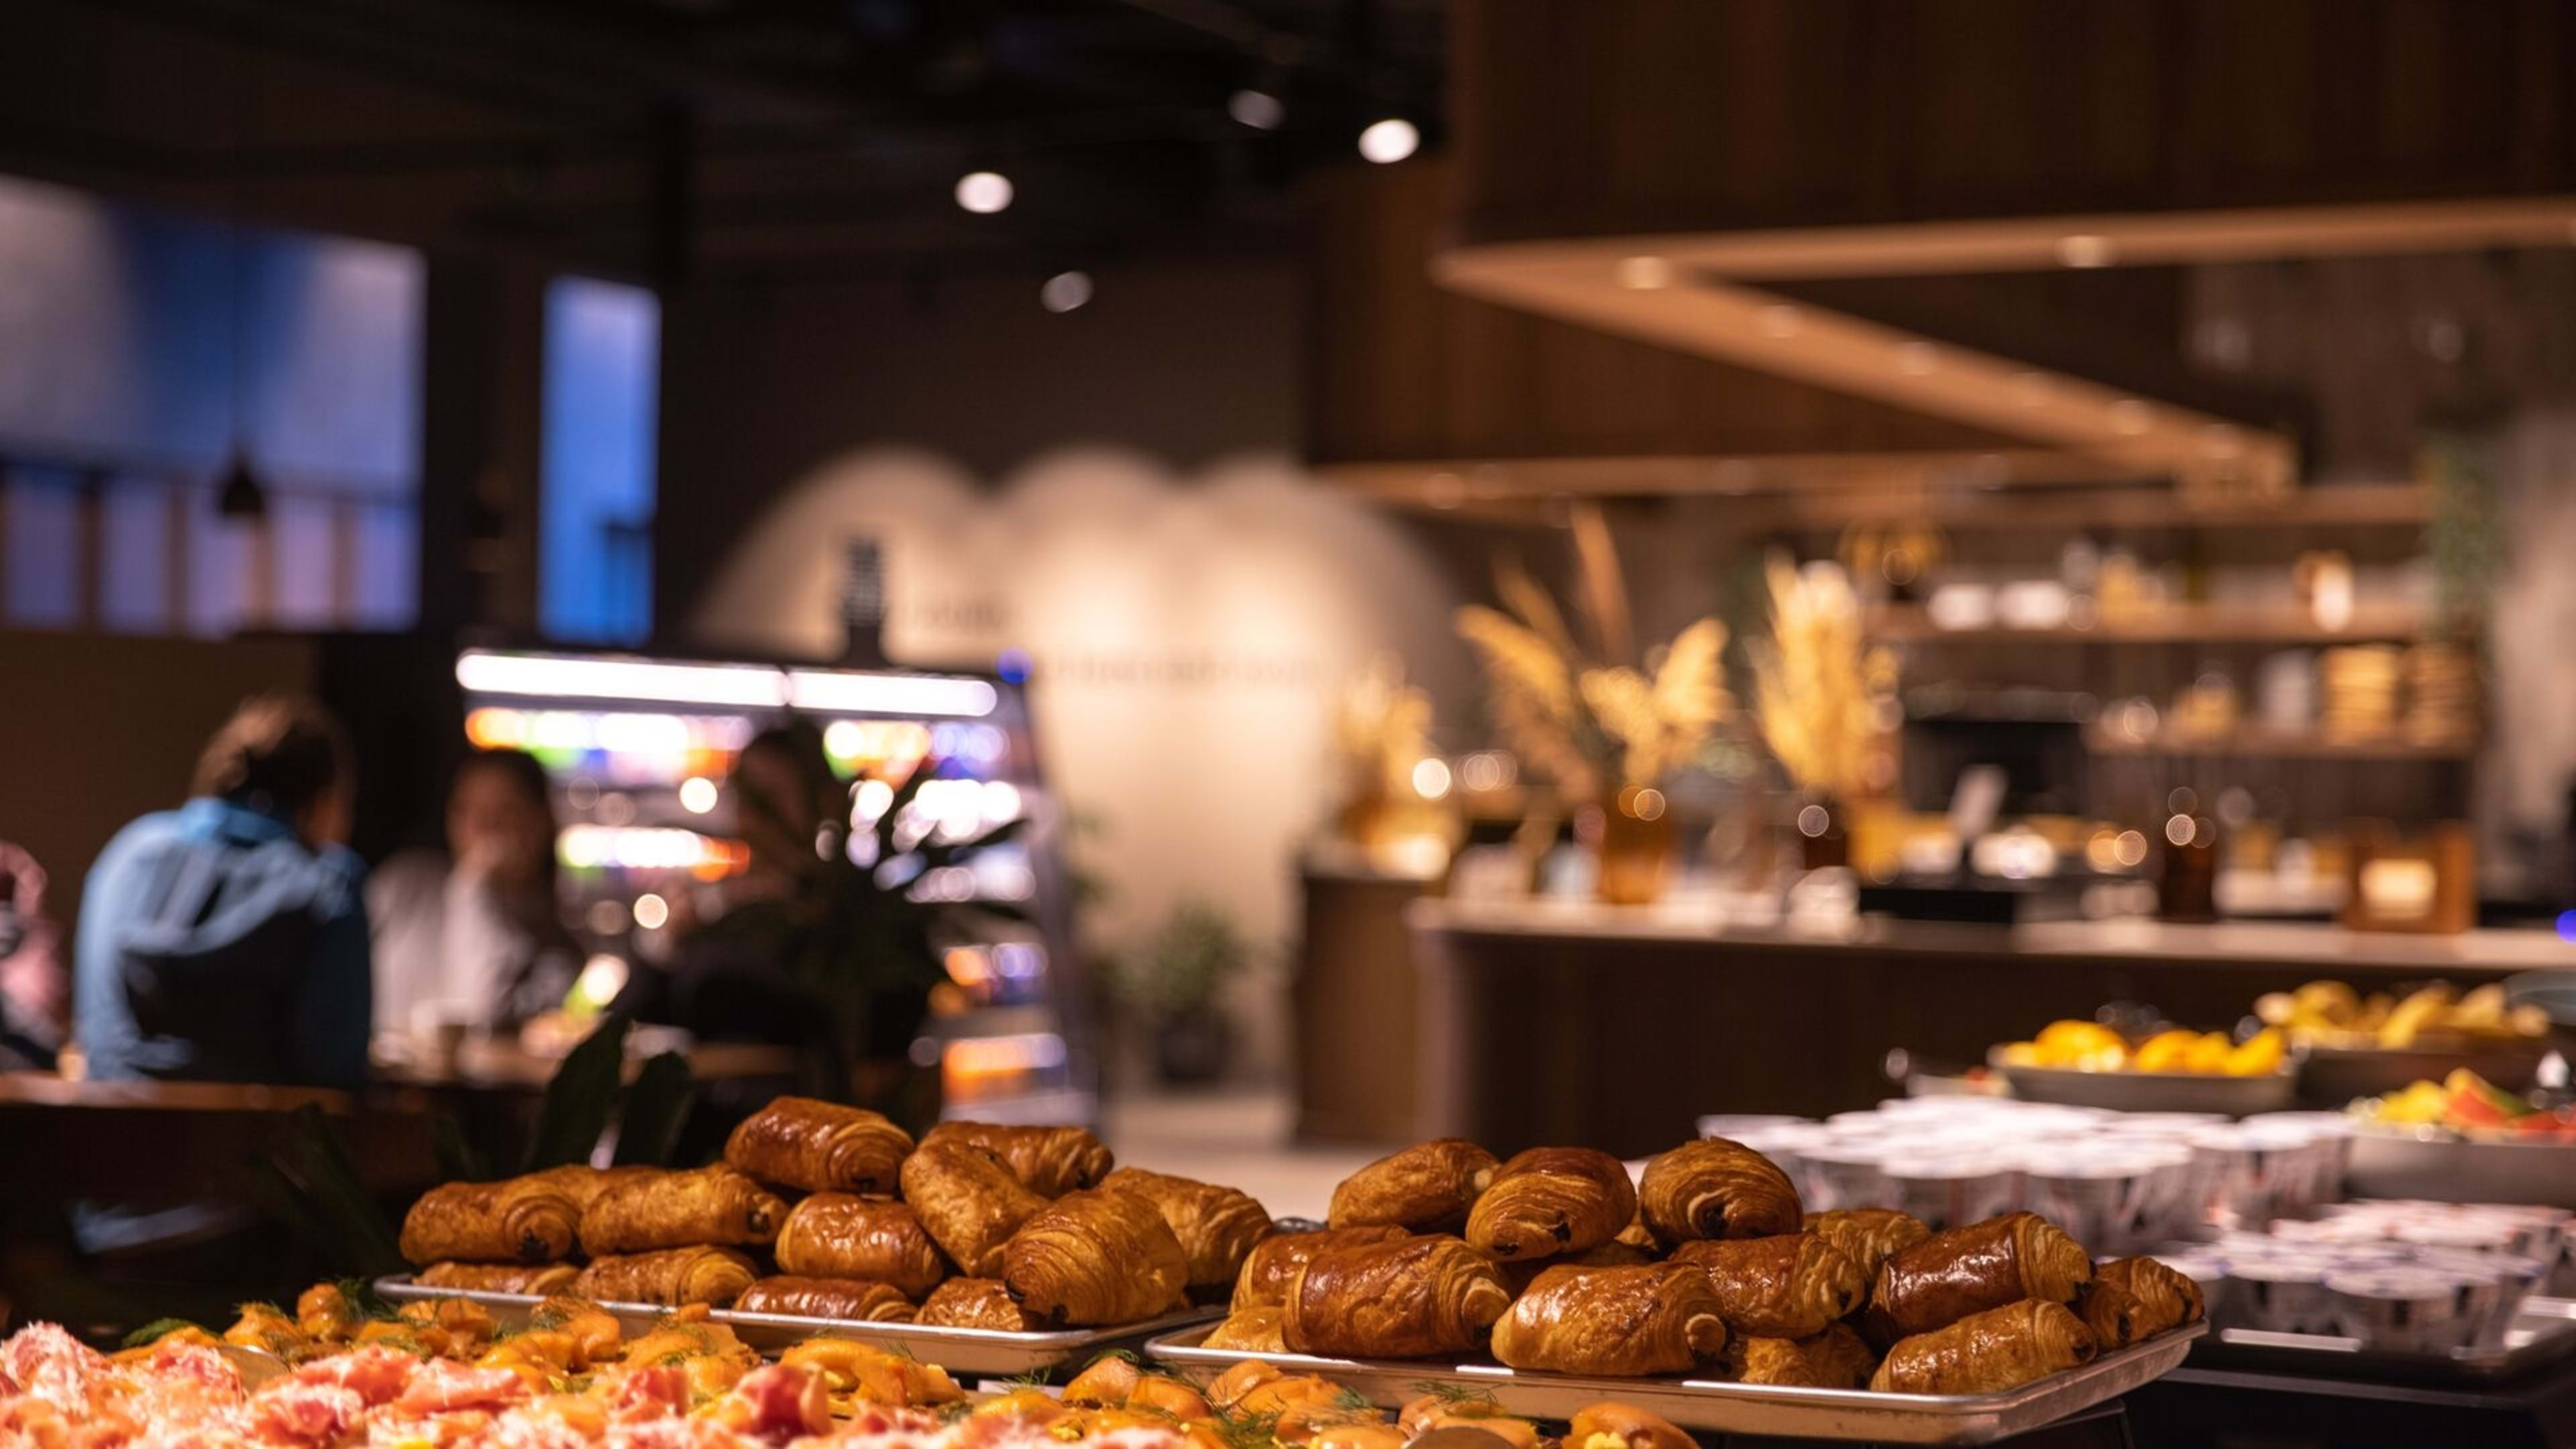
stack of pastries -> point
(826, 1211)
(1553, 1261)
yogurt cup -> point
(1951, 1190)
(2398, 1310)
(2282, 1295)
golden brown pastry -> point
(2131, 1300)
(1713, 1188)
(1412, 1298)
(1259, 1329)
(1096, 1257)
(1048, 1161)
(1840, 1357)
(1771, 1361)
(1624, 1322)
(1951, 1275)
(818, 1146)
(518, 1220)
(1551, 1202)
(1217, 1226)
(584, 1183)
(541, 1279)
(835, 1235)
(969, 1203)
(1272, 1265)
(1868, 1236)
(1622, 1426)
(1989, 1352)
(670, 1277)
(1517, 1276)
(974, 1303)
(705, 1206)
(1784, 1287)
(848, 1299)
(1426, 1188)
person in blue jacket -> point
(226, 940)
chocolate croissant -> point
(835, 1235)
(1426, 1188)
(1048, 1161)
(670, 1277)
(1868, 1236)
(1713, 1188)
(1771, 1361)
(1840, 1357)
(584, 1183)
(1621, 1322)
(520, 1220)
(1953, 1274)
(705, 1206)
(1259, 1329)
(969, 1203)
(1784, 1287)
(846, 1299)
(1096, 1257)
(1271, 1268)
(974, 1303)
(1217, 1226)
(818, 1146)
(540, 1279)
(1551, 1202)
(1989, 1352)
(1420, 1297)
(2131, 1300)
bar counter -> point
(1568, 1021)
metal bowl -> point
(2151, 1091)
(2442, 1166)
(2331, 1077)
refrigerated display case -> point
(639, 749)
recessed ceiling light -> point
(984, 192)
(1390, 140)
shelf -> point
(2173, 624)
(2282, 746)
(2074, 507)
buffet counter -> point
(1720, 1005)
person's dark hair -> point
(280, 752)
(520, 771)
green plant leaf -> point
(580, 1099)
(657, 1108)
(154, 1331)
(458, 1159)
(308, 1182)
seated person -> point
(475, 933)
(35, 990)
(226, 940)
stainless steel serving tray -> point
(976, 1351)
(2544, 1332)
(2431, 1163)
(1720, 1406)
(2152, 1091)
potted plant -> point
(1174, 985)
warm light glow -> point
(652, 912)
(843, 740)
(977, 1058)
(984, 192)
(2131, 848)
(586, 847)
(1260, 110)
(607, 918)
(1430, 779)
(1648, 804)
(496, 729)
(1915, 359)
(601, 978)
(2178, 830)
(2086, 251)
(697, 794)
(564, 676)
(869, 801)
(1644, 274)
(1065, 291)
(1778, 321)
(848, 692)
(1814, 821)
(1390, 140)
(2129, 416)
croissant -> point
(1271, 1268)
(520, 1220)
(584, 1183)
(670, 1277)
(2133, 1299)
(1413, 1298)
(1217, 1226)
(1551, 1202)
(835, 1235)
(974, 1303)
(968, 1202)
(1868, 1236)
(1049, 1161)
(1713, 1188)
(1840, 1357)
(1259, 1329)
(1622, 1322)
(540, 1279)
(1096, 1257)
(1426, 1188)
(1626, 1427)
(703, 1206)
(818, 1146)
(1989, 1352)
(847, 1299)
(1771, 1361)
(1968, 1270)
(1783, 1287)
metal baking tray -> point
(2442, 1166)
(1721, 1406)
(2544, 1332)
(981, 1351)
(2152, 1091)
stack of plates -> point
(2360, 691)
(2442, 690)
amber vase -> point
(1636, 845)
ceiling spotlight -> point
(1260, 110)
(1065, 291)
(1390, 140)
(984, 192)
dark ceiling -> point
(658, 138)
